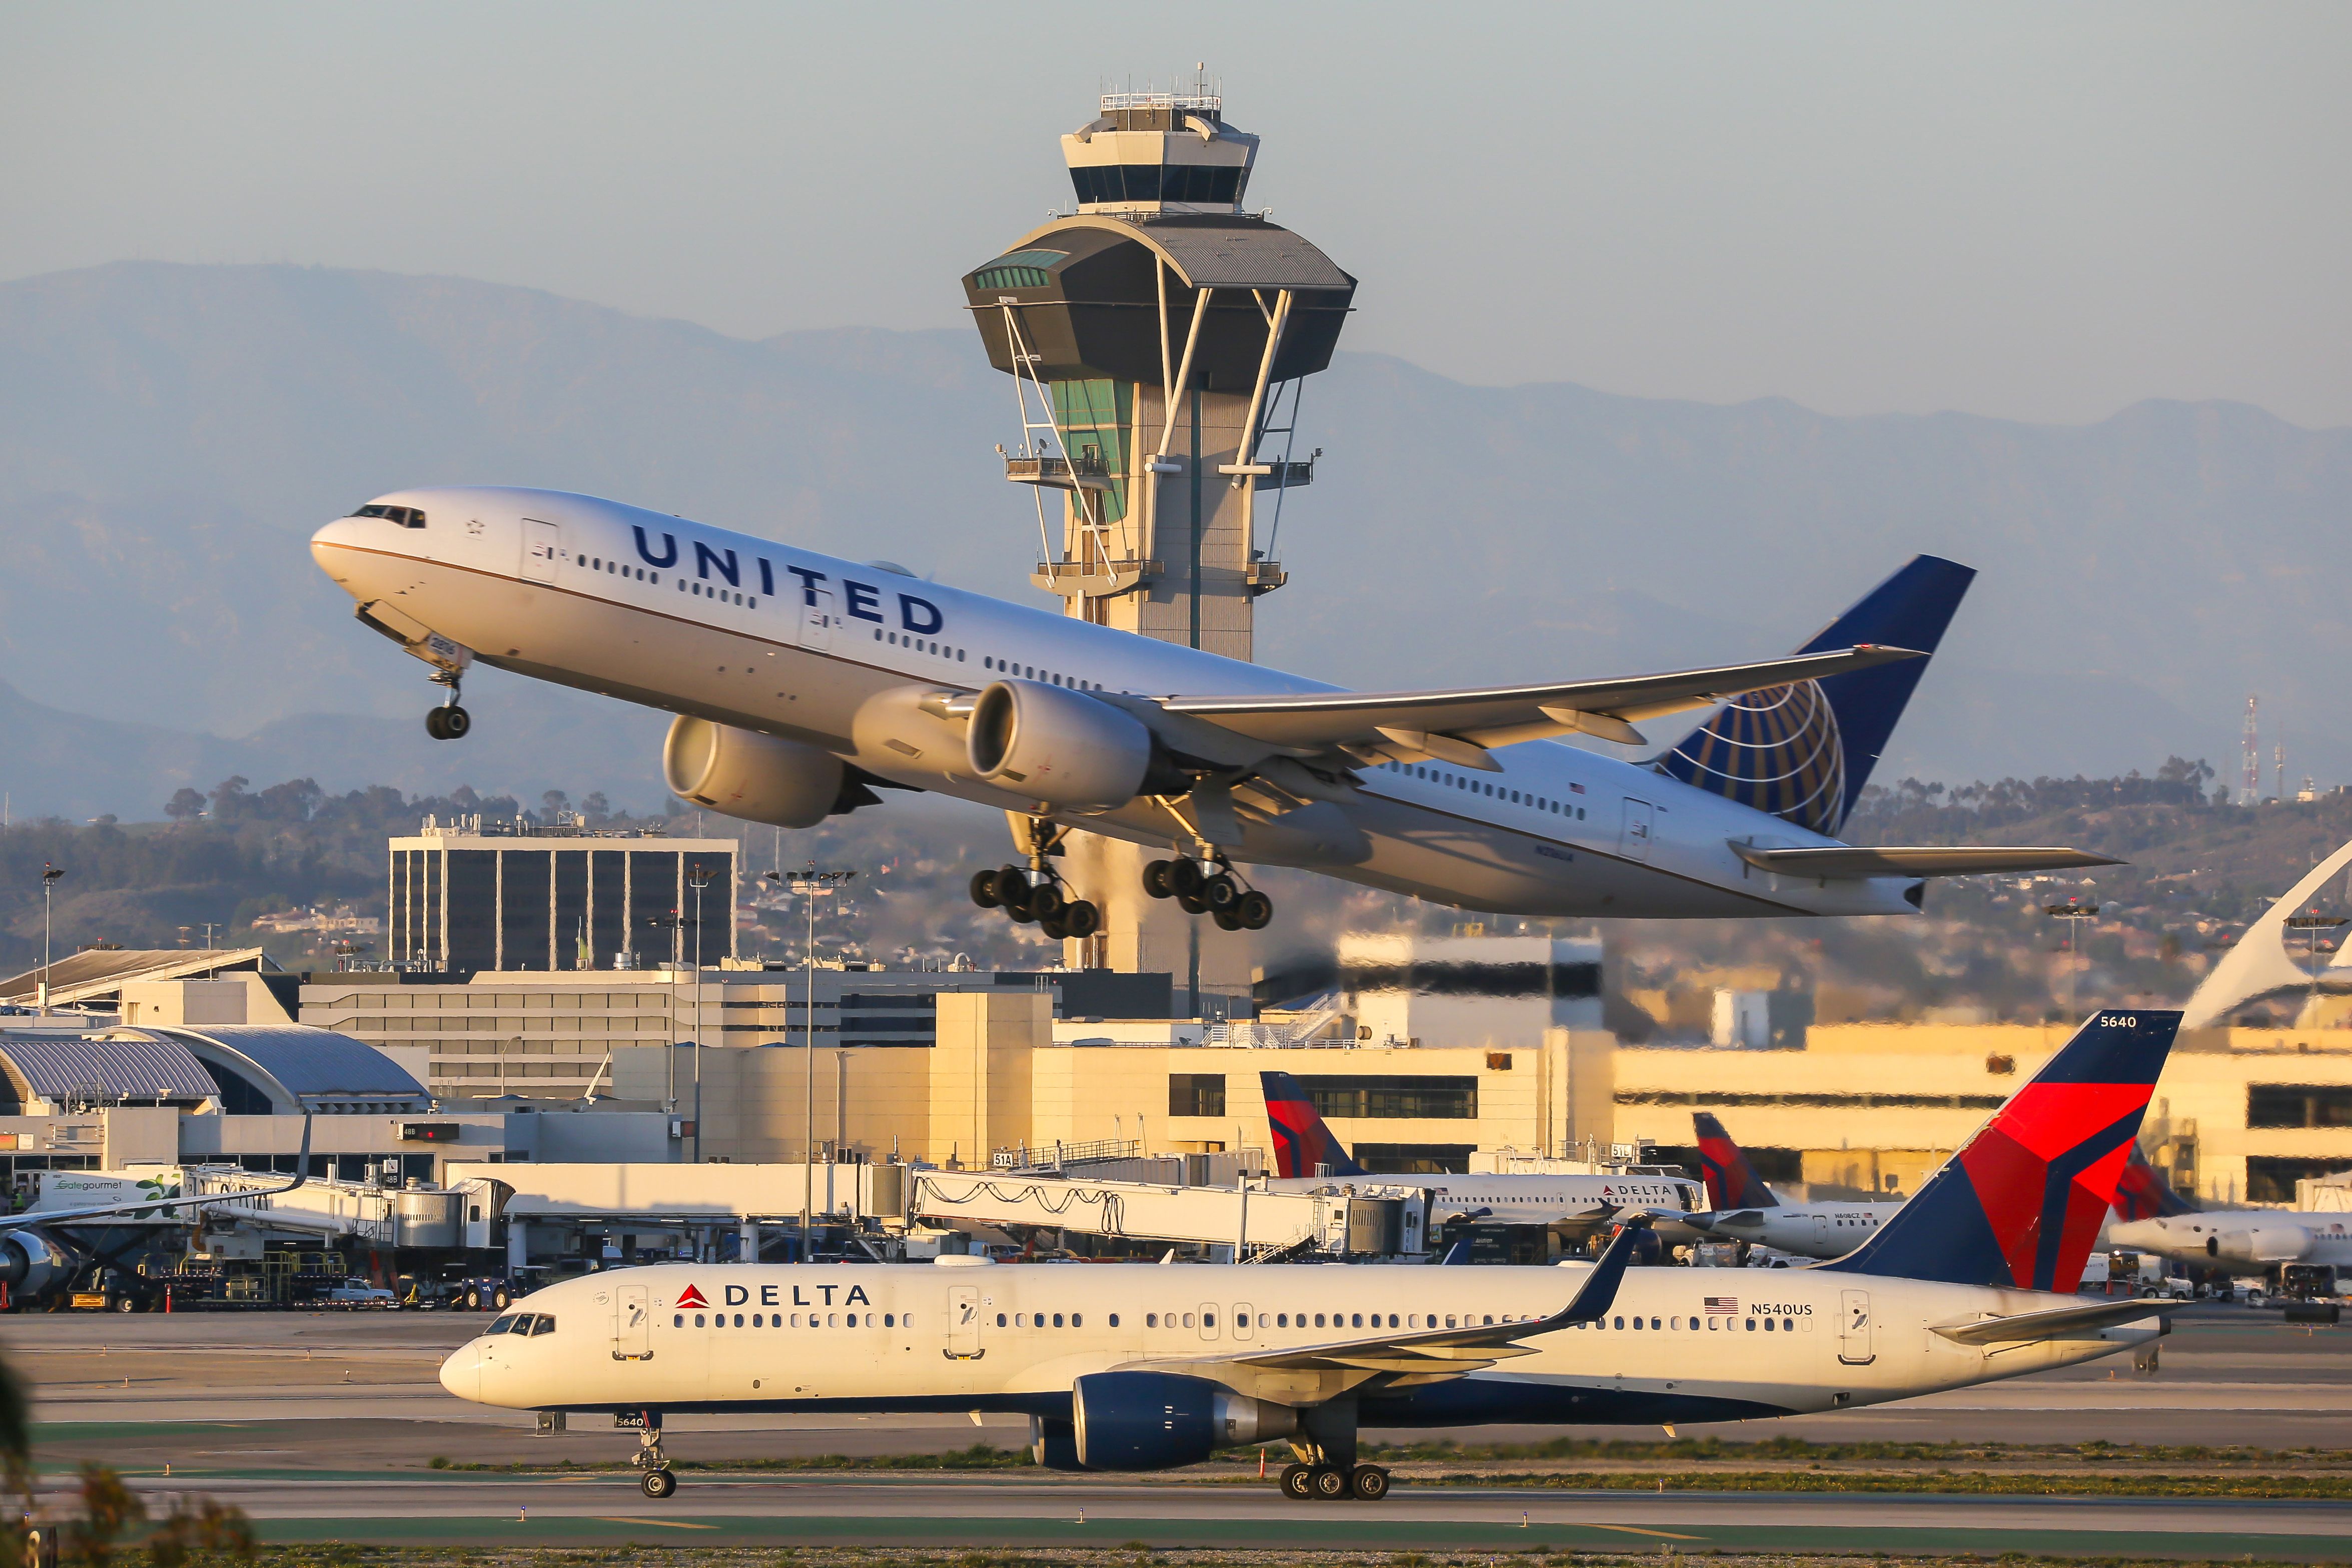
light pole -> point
(2311, 925)
(811, 884)
(2073, 912)
(50, 875)
(698, 878)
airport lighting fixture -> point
(50, 875)
(699, 878)
(811, 884)
(2311, 925)
(2073, 911)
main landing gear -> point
(1332, 1483)
(658, 1480)
(448, 721)
(1036, 897)
(1218, 893)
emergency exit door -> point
(1634, 837)
(1854, 1329)
(542, 546)
(632, 1321)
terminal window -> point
(2298, 1105)
(1196, 1094)
(1394, 1098)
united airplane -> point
(1144, 1368)
(801, 683)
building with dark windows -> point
(481, 894)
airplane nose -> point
(326, 545)
(461, 1374)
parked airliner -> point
(1742, 1208)
(1138, 1367)
(802, 682)
(1307, 1154)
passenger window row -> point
(1031, 673)
(1692, 1325)
(921, 645)
(1038, 1321)
(1479, 786)
(815, 1320)
(724, 596)
(616, 568)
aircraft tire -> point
(1045, 900)
(1012, 888)
(1254, 910)
(1326, 1484)
(1368, 1483)
(1227, 920)
(1294, 1483)
(1191, 903)
(435, 723)
(1220, 891)
(455, 723)
(1083, 917)
(1155, 879)
(1185, 877)
(658, 1483)
(1055, 926)
(983, 888)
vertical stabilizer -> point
(2144, 1195)
(2021, 1204)
(1731, 1181)
(1804, 752)
(1303, 1144)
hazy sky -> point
(2032, 211)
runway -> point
(1011, 1510)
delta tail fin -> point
(2144, 1195)
(1731, 1181)
(2021, 1204)
(1303, 1144)
(1804, 752)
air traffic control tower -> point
(1157, 339)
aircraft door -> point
(632, 1321)
(1634, 837)
(964, 1323)
(1822, 1231)
(816, 620)
(542, 546)
(1245, 1325)
(1854, 1329)
(1208, 1319)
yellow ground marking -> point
(683, 1524)
(1637, 1530)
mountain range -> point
(170, 435)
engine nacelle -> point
(1062, 747)
(31, 1264)
(2262, 1244)
(1054, 1444)
(1160, 1420)
(756, 777)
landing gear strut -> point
(448, 721)
(1214, 890)
(1037, 894)
(658, 1480)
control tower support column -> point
(1157, 341)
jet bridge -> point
(1355, 1220)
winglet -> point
(1599, 1292)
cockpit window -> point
(543, 1324)
(406, 515)
(503, 1325)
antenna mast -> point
(2250, 784)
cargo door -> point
(1634, 836)
(964, 1323)
(1854, 1329)
(632, 1322)
(817, 622)
(542, 546)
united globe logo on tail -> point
(2021, 1204)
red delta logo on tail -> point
(2144, 1195)
(2021, 1204)
(1303, 1144)
(691, 1297)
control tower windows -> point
(1158, 182)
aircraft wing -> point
(1837, 861)
(1458, 726)
(2060, 1323)
(1434, 1356)
(36, 1217)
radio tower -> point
(2250, 786)
(2278, 759)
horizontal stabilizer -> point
(2063, 1323)
(1840, 860)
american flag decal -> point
(1723, 1305)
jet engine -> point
(759, 778)
(1160, 1420)
(1063, 747)
(2263, 1244)
(31, 1264)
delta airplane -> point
(800, 683)
(2236, 1239)
(1744, 1209)
(1143, 1368)
(1307, 1154)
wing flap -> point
(1840, 862)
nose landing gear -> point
(448, 721)
(658, 1480)
(1220, 894)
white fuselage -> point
(1678, 1344)
(2240, 1240)
(689, 619)
(1803, 1230)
